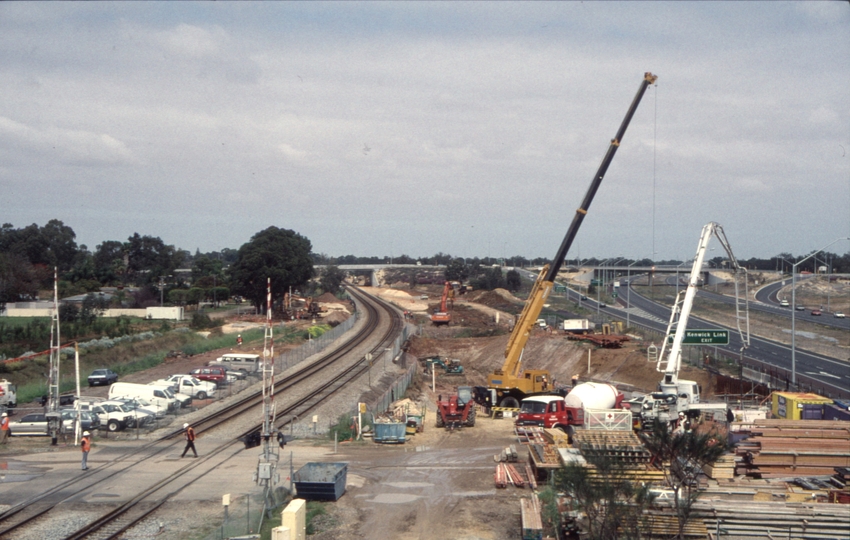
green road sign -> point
(614, 295)
(596, 282)
(704, 337)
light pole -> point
(794, 311)
(628, 292)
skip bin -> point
(390, 432)
(321, 481)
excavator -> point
(441, 317)
(677, 395)
(510, 384)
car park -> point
(102, 377)
(816, 312)
(838, 315)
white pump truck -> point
(676, 395)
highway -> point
(826, 375)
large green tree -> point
(280, 254)
(457, 270)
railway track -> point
(324, 376)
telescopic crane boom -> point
(510, 384)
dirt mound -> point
(501, 300)
(327, 298)
(335, 317)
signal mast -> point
(53, 421)
(266, 474)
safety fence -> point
(302, 352)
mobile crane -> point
(510, 384)
(676, 395)
(443, 316)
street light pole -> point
(794, 311)
(628, 293)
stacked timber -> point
(722, 469)
(506, 474)
(532, 523)
(623, 446)
(773, 520)
(782, 448)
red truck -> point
(217, 375)
(562, 412)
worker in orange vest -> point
(190, 440)
(85, 446)
(4, 428)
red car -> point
(815, 312)
(217, 375)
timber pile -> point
(722, 469)
(781, 448)
(754, 519)
(624, 446)
(508, 474)
(532, 523)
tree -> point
(280, 254)
(149, 258)
(61, 247)
(613, 503)
(332, 278)
(18, 279)
(457, 270)
(513, 281)
(92, 307)
(687, 453)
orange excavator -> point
(443, 316)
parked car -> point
(138, 418)
(29, 424)
(213, 374)
(111, 415)
(102, 377)
(189, 385)
(816, 312)
(838, 314)
(65, 400)
(144, 406)
(88, 420)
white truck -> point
(8, 396)
(189, 385)
(578, 326)
(111, 414)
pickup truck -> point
(189, 385)
(110, 414)
(216, 374)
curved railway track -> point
(147, 501)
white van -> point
(157, 397)
(249, 363)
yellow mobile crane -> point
(510, 384)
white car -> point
(784, 303)
(191, 386)
(838, 315)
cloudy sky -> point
(472, 129)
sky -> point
(388, 128)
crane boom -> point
(510, 382)
(680, 396)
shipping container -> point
(791, 405)
(835, 412)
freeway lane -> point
(826, 375)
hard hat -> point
(86, 433)
(185, 426)
(4, 415)
(681, 414)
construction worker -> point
(4, 428)
(85, 446)
(239, 340)
(190, 440)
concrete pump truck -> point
(510, 384)
(675, 395)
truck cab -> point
(549, 412)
